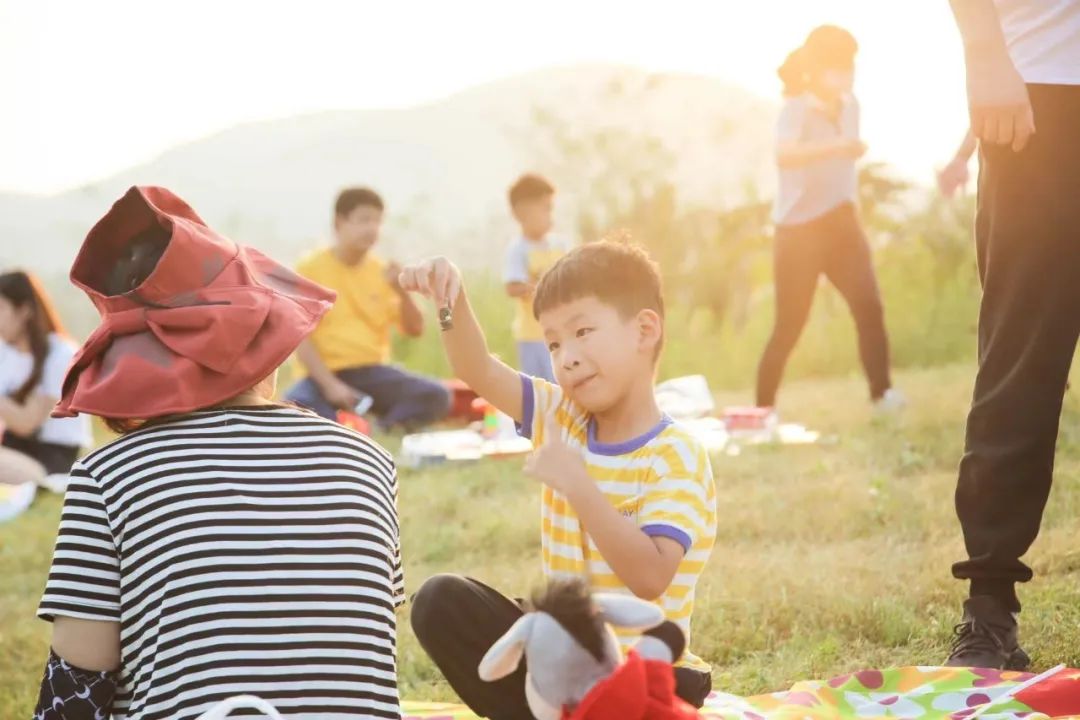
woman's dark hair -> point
(827, 47)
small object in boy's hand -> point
(446, 318)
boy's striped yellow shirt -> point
(662, 481)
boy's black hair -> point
(615, 272)
(351, 198)
(529, 187)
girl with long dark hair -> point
(34, 355)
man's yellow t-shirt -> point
(356, 331)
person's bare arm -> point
(24, 419)
(997, 96)
(336, 391)
(465, 344)
(88, 644)
(519, 289)
(799, 153)
(412, 320)
(955, 174)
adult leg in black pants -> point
(1028, 243)
(458, 619)
(850, 268)
(797, 263)
(836, 245)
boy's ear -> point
(650, 329)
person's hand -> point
(953, 177)
(392, 273)
(555, 463)
(998, 101)
(437, 278)
(340, 394)
(854, 149)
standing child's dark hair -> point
(23, 291)
(529, 187)
(827, 47)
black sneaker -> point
(987, 638)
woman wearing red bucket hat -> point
(224, 544)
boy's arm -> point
(955, 174)
(997, 96)
(410, 320)
(338, 393)
(796, 153)
(519, 289)
(646, 565)
(516, 272)
(466, 347)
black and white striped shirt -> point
(243, 550)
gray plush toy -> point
(569, 646)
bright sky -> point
(90, 88)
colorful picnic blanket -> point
(911, 692)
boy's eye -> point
(552, 347)
(582, 332)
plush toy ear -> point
(628, 612)
(505, 655)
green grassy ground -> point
(829, 558)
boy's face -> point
(534, 216)
(596, 353)
(359, 229)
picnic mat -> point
(910, 692)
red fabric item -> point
(462, 406)
(638, 690)
(1057, 696)
(211, 321)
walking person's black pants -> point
(1027, 232)
(458, 619)
(833, 244)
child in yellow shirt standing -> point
(628, 500)
(529, 256)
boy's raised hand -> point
(437, 278)
(555, 463)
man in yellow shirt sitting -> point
(347, 358)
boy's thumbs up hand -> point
(555, 463)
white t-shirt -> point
(15, 367)
(807, 192)
(1043, 38)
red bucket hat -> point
(210, 321)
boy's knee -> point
(431, 601)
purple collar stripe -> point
(627, 446)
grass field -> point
(829, 558)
